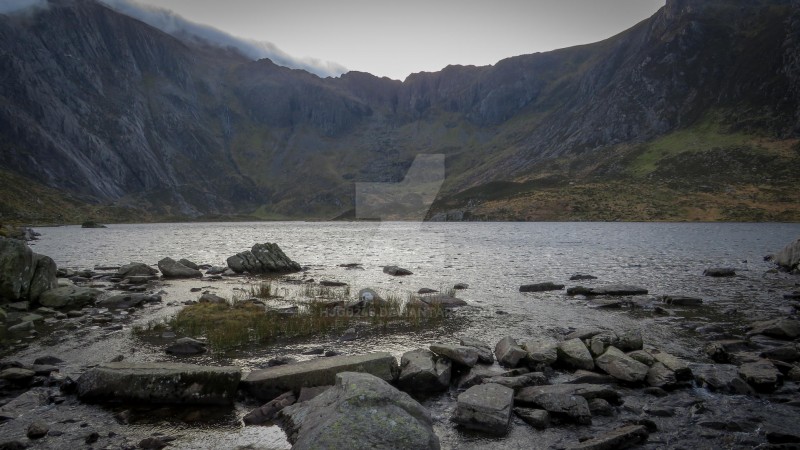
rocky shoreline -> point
(591, 387)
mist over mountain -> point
(108, 115)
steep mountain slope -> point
(114, 112)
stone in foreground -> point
(459, 354)
(621, 366)
(267, 384)
(537, 418)
(624, 437)
(422, 371)
(159, 383)
(486, 408)
(761, 374)
(508, 353)
(575, 354)
(359, 411)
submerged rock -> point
(363, 411)
(125, 301)
(681, 300)
(541, 287)
(445, 301)
(263, 258)
(719, 272)
(159, 383)
(486, 408)
(762, 375)
(612, 289)
(788, 329)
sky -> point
(400, 37)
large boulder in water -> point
(173, 269)
(69, 297)
(24, 275)
(262, 258)
(135, 269)
(789, 257)
(362, 409)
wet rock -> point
(363, 409)
(422, 371)
(445, 301)
(397, 271)
(314, 351)
(155, 442)
(485, 355)
(574, 353)
(69, 297)
(541, 352)
(159, 383)
(719, 272)
(37, 430)
(541, 287)
(574, 408)
(600, 407)
(721, 351)
(280, 360)
(587, 391)
(263, 258)
(460, 286)
(17, 375)
(135, 269)
(266, 384)
(717, 377)
(787, 329)
(624, 437)
(537, 418)
(185, 262)
(212, 298)
(598, 343)
(518, 382)
(485, 408)
(269, 411)
(587, 377)
(459, 354)
(680, 300)
(629, 340)
(48, 360)
(125, 301)
(173, 269)
(477, 374)
(186, 346)
(579, 290)
(658, 375)
(216, 270)
(582, 277)
(673, 363)
(24, 403)
(789, 257)
(508, 353)
(24, 275)
(762, 375)
(612, 289)
(622, 367)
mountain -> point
(690, 115)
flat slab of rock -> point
(681, 300)
(520, 381)
(485, 355)
(762, 375)
(359, 411)
(486, 408)
(717, 377)
(541, 287)
(68, 297)
(788, 329)
(508, 353)
(574, 353)
(544, 352)
(537, 418)
(673, 363)
(268, 411)
(422, 371)
(621, 366)
(267, 384)
(459, 354)
(719, 272)
(661, 376)
(612, 289)
(624, 437)
(587, 391)
(160, 383)
(574, 408)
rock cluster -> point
(262, 258)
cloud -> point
(170, 22)
(10, 6)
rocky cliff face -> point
(110, 109)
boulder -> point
(541, 287)
(262, 258)
(786, 353)
(716, 377)
(789, 257)
(574, 353)
(537, 418)
(397, 271)
(268, 412)
(485, 408)
(173, 269)
(125, 301)
(762, 375)
(189, 264)
(508, 353)
(620, 366)
(587, 391)
(485, 355)
(477, 374)
(598, 343)
(681, 300)
(624, 437)
(612, 289)
(459, 354)
(460, 286)
(159, 383)
(574, 408)
(359, 409)
(422, 371)
(69, 297)
(658, 375)
(719, 272)
(423, 291)
(788, 329)
(266, 384)
(541, 352)
(24, 275)
(643, 357)
(673, 363)
(518, 382)
(135, 269)
(212, 298)
(721, 351)
(186, 346)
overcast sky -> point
(396, 38)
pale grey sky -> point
(396, 38)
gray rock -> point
(574, 353)
(125, 301)
(600, 407)
(268, 411)
(423, 291)
(22, 327)
(582, 276)
(508, 353)
(661, 376)
(173, 269)
(541, 287)
(211, 298)
(789, 257)
(24, 403)
(263, 258)
(69, 297)
(587, 377)
(716, 377)
(612, 289)
(786, 353)
(422, 371)
(630, 340)
(624, 437)
(359, 409)
(349, 334)
(188, 264)
(598, 343)
(518, 382)
(186, 346)
(673, 363)
(460, 286)
(397, 271)
(587, 391)
(721, 351)
(485, 408)
(48, 360)
(266, 384)
(459, 354)
(643, 357)
(622, 367)
(681, 300)
(719, 272)
(537, 418)
(159, 383)
(24, 275)
(135, 269)
(762, 375)
(17, 375)
(574, 408)
(37, 430)
(477, 374)
(307, 393)
(788, 329)
(485, 355)
(541, 352)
